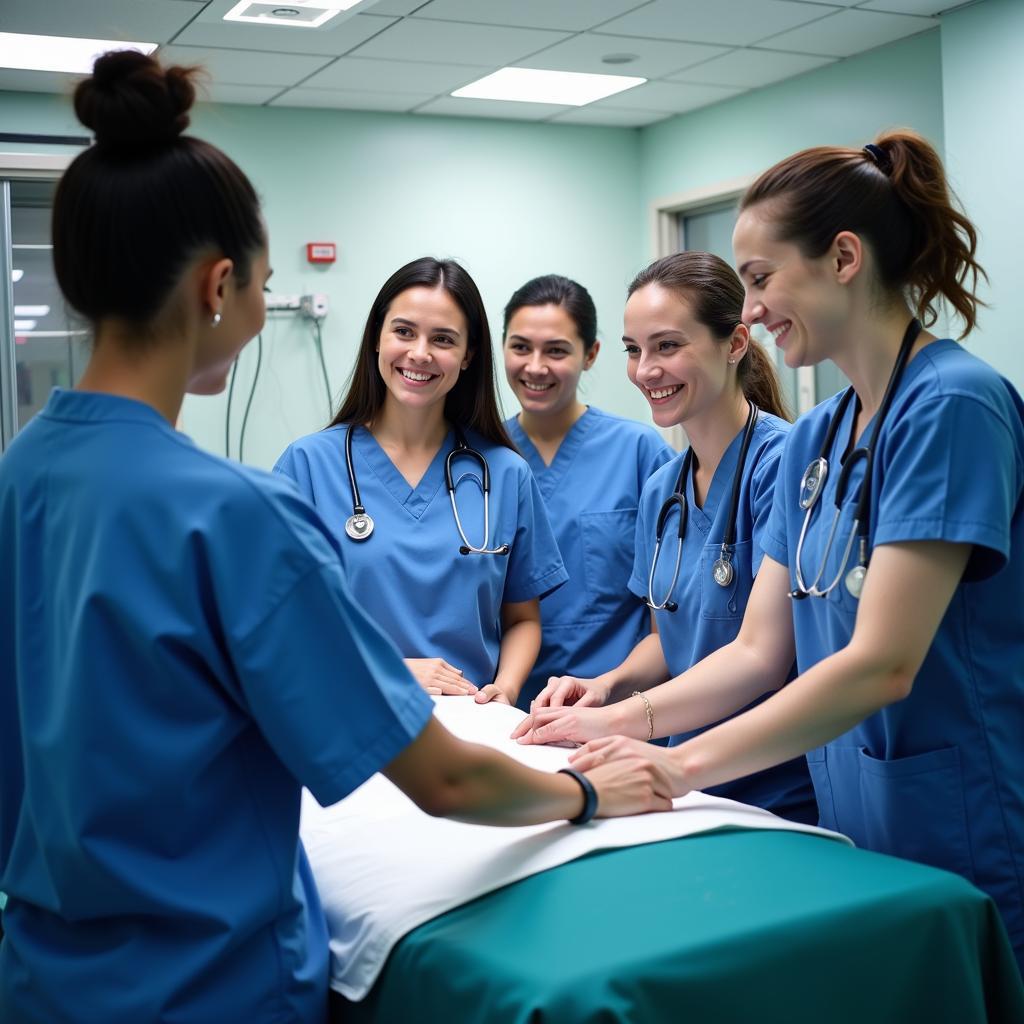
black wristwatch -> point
(589, 796)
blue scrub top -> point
(709, 616)
(180, 654)
(409, 576)
(591, 491)
(937, 777)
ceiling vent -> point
(293, 13)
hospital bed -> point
(728, 927)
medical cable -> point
(252, 392)
(318, 340)
(227, 415)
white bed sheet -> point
(383, 867)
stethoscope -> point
(360, 524)
(722, 572)
(812, 484)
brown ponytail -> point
(894, 194)
(715, 294)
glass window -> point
(49, 342)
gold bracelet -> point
(649, 710)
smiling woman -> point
(449, 546)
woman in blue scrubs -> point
(179, 649)
(424, 379)
(693, 359)
(909, 640)
(590, 467)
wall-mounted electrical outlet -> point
(283, 303)
(314, 307)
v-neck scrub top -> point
(409, 576)
(939, 776)
(591, 491)
(180, 654)
(709, 616)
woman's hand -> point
(563, 691)
(565, 725)
(492, 692)
(599, 755)
(631, 785)
(435, 675)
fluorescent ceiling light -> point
(289, 13)
(17, 275)
(24, 325)
(527, 85)
(59, 53)
(31, 310)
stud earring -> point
(215, 322)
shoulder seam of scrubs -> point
(314, 567)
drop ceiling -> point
(408, 55)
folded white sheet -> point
(383, 867)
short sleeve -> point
(326, 688)
(950, 472)
(762, 502)
(294, 466)
(535, 563)
(641, 557)
(773, 532)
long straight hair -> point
(472, 403)
(715, 294)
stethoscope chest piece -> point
(359, 526)
(722, 571)
(855, 580)
(812, 482)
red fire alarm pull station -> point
(321, 252)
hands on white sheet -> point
(436, 676)
(564, 725)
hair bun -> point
(132, 103)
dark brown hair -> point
(894, 195)
(554, 290)
(715, 294)
(132, 210)
(472, 403)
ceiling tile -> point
(609, 117)
(363, 74)
(750, 68)
(654, 57)
(399, 7)
(849, 32)
(674, 97)
(333, 39)
(570, 15)
(251, 94)
(923, 7)
(446, 42)
(351, 99)
(451, 105)
(245, 67)
(140, 21)
(728, 22)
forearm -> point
(488, 788)
(643, 668)
(819, 705)
(724, 682)
(520, 645)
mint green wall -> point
(509, 200)
(983, 89)
(840, 104)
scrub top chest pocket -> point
(728, 602)
(608, 540)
